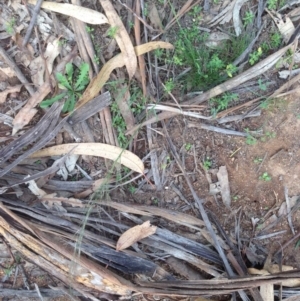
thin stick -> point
(137, 16)
(32, 22)
(262, 162)
(9, 61)
(38, 291)
(141, 59)
(288, 208)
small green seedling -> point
(268, 135)
(262, 86)
(297, 245)
(188, 146)
(169, 85)
(275, 40)
(9, 26)
(257, 160)
(231, 69)
(131, 189)
(221, 103)
(265, 177)
(248, 19)
(272, 4)
(250, 140)
(207, 163)
(112, 31)
(255, 56)
(155, 201)
(73, 83)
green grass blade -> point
(48, 102)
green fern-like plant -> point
(73, 83)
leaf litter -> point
(36, 135)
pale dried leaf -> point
(224, 16)
(286, 73)
(98, 82)
(37, 65)
(35, 189)
(28, 111)
(122, 98)
(9, 72)
(79, 12)
(53, 199)
(285, 26)
(114, 153)
(122, 37)
(9, 90)
(236, 16)
(216, 39)
(154, 17)
(224, 185)
(52, 203)
(70, 162)
(135, 234)
(267, 292)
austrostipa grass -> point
(207, 66)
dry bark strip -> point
(41, 134)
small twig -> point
(35, 13)
(38, 291)
(84, 172)
(8, 60)
(216, 129)
(262, 162)
(137, 16)
(25, 278)
(288, 208)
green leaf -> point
(63, 81)
(82, 78)
(69, 71)
(69, 104)
(48, 102)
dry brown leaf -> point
(154, 17)
(37, 66)
(9, 90)
(9, 72)
(284, 25)
(96, 186)
(98, 82)
(79, 12)
(32, 186)
(135, 234)
(267, 292)
(216, 39)
(28, 111)
(114, 153)
(53, 199)
(224, 185)
(122, 98)
(122, 37)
